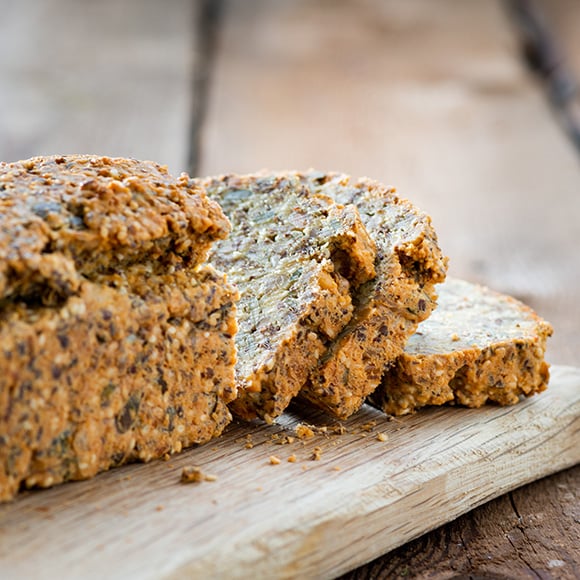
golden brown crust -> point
(477, 346)
(113, 376)
(113, 348)
(298, 259)
(68, 217)
(388, 308)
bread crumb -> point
(285, 440)
(454, 337)
(166, 457)
(304, 467)
(304, 431)
(274, 460)
(382, 437)
(368, 426)
(159, 508)
(194, 474)
(316, 454)
(292, 458)
(336, 468)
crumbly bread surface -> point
(66, 218)
(388, 308)
(477, 346)
(298, 260)
(135, 358)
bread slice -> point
(115, 346)
(298, 260)
(388, 308)
(477, 346)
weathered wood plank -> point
(529, 533)
(429, 96)
(109, 77)
(302, 519)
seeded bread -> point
(477, 346)
(115, 345)
(298, 260)
(388, 308)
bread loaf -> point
(115, 343)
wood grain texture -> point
(529, 533)
(431, 97)
(304, 519)
(112, 77)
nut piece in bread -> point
(478, 346)
(299, 260)
(387, 309)
(115, 345)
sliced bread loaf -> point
(298, 260)
(477, 346)
(388, 308)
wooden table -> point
(428, 95)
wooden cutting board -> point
(374, 487)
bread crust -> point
(478, 346)
(67, 218)
(127, 356)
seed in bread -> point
(478, 346)
(298, 260)
(388, 308)
(115, 345)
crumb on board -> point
(166, 457)
(292, 458)
(274, 460)
(316, 454)
(193, 474)
(159, 508)
(382, 437)
(304, 431)
(336, 468)
(282, 439)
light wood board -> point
(304, 519)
